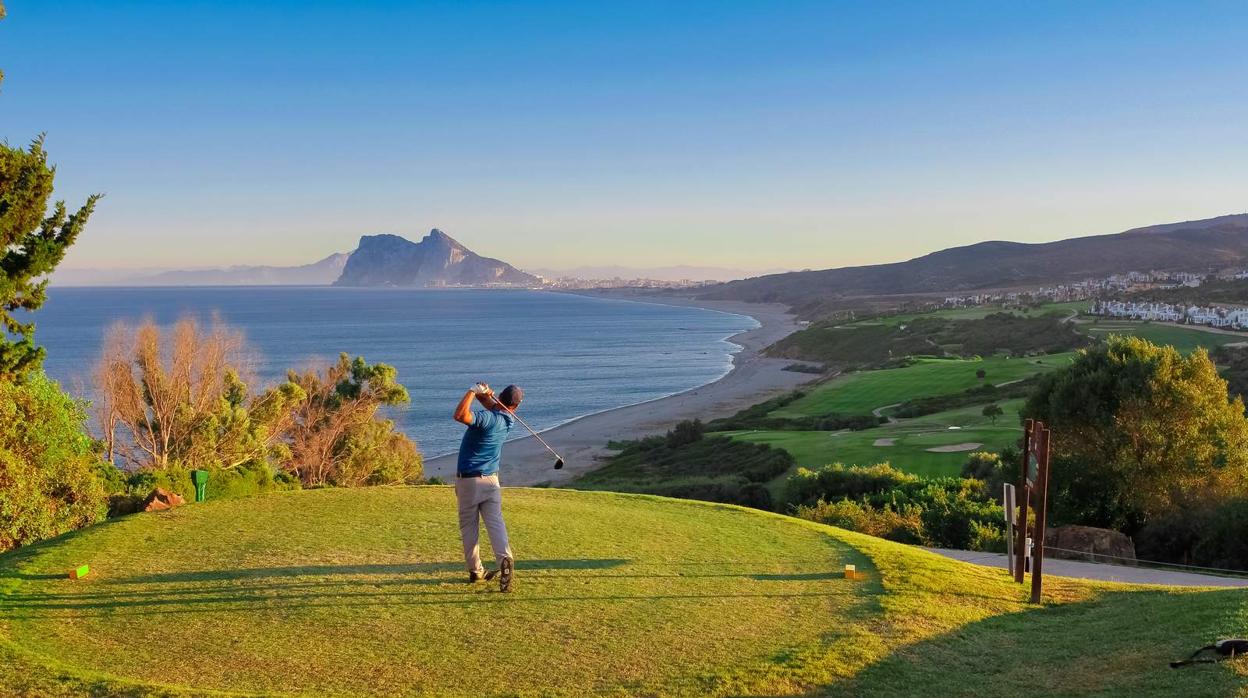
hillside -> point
(359, 592)
(437, 260)
(1211, 244)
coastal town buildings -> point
(1212, 316)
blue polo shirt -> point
(483, 442)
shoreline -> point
(582, 441)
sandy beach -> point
(582, 442)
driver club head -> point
(559, 464)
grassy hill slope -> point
(357, 592)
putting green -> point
(358, 592)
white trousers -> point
(481, 499)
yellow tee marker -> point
(851, 572)
(80, 572)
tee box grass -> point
(360, 592)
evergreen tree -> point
(32, 243)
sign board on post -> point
(1024, 496)
(1033, 486)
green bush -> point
(955, 520)
(376, 454)
(903, 526)
(993, 469)
(129, 490)
(685, 433)
(838, 481)
(50, 473)
(987, 538)
(1208, 537)
(881, 500)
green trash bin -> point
(200, 478)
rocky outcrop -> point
(1088, 543)
(437, 260)
(161, 499)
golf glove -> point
(481, 389)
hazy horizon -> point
(549, 135)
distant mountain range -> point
(316, 274)
(437, 260)
(669, 273)
(380, 260)
(1197, 246)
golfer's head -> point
(511, 396)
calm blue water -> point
(572, 355)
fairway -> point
(358, 592)
(910, 441)
(864, 391)
(1185, 339)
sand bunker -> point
(884, 442)
(955, 448)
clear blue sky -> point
(749, 134)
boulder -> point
(1088, 543)
(161, 499)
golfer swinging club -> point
(476, 478)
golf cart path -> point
(879, 412)
(1095, 570)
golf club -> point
(558, 458)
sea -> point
(573, 355)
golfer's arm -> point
(463, 411)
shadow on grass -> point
(1119, 643)
(358, 570)
(246, 603)
(310, 586)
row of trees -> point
(180, 398)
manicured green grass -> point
(1185, 339)
(861, 392)
(357, 592)
(976, 313)
(911, 439)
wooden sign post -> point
(1033, 491)
(1008, 502)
